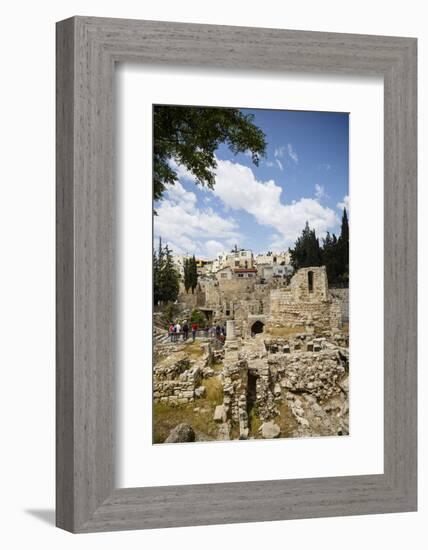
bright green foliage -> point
(198, 317)
(165, 276)
(169, 314)
(191, 135)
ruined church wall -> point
(341, 295)
(283, 312)
(189, 300)
(231, 287)
(302, 304)
(299, 285)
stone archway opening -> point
(257, 327)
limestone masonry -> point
(284, 364)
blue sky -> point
(304, 176)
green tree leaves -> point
(198, 317)
(166, 279)
(307, 252)
(334, 254)
(343, 246)
(191, 135)
(190, 274)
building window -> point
(310, 281)
(223, 275)
(237, 263)
(240, 274)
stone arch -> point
(257, 327)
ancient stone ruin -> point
(283, 367)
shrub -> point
(198, 317)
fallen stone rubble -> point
(306, 376)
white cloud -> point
(320, 191)
(292, 153)
(279, 151)
(269, 164)
(286, 152)
(182, 171)
(324, 166)
(189, 229)
(177, 195)
(213, 248)
(238, 188)
(344, 203)
(279, 163)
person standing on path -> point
(185, 330)
(177, 331)
(194, 329)
(171, 332)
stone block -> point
(219, 414)
(270, 430)
(200, 391)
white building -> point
(280, 271)
(235, 259)
(224, 273)
(273, 258)
(178, 260)
(219, 262)
(228, 273)
(240, 259)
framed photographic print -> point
(236, 274)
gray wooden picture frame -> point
(87, 50)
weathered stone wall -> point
(171, 387)
(189, 300)
(176, 378)
(236, 286)
(299, 287)
(341, 295)
(304, 304)
(286, 313)
(234, 378)
(265, 390)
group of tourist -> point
(175, 330)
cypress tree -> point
(165, 276)
(170, 278)
(343, 249)
(331, 258)
(193, 274)
(307, 251)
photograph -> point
(250, 274)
